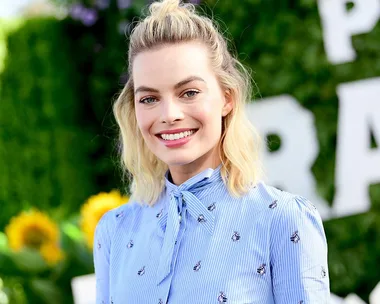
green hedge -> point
(44, 146)
(57, 133)
(281, 41)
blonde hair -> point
(171, 21)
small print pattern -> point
(211, 207)
(159, 214)
(261, 270)
(201, 218)
(197, 266)
(141, 271)
(295, 238)
(236, 236)
(241, 233)
(273, 205)
(222, 298)
(323, 272)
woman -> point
(200, 227)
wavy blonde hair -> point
(170, 21)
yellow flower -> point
(94, 208)
(51, 253)
(34, 229)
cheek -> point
(208, 110)
(210, 115)
(211, 122)
(142, 119)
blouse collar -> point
(196, 184)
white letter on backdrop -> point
(290, 166)
(339, 25)
(357, 165)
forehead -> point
(171, 63)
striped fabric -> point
(198, 244)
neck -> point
(181, 173)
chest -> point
(231, 265)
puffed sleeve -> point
(298, 252)
(101, 251)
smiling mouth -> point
(177, 136)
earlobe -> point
(227, 109)
(228, 103)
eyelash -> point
(192, 91)
(144, 100)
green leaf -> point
(13, 289)
(73, 232)
(7, 266)
(46, 290)
(29, 260)
(3, 243)
(77, 249)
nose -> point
(171, 111)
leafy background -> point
(58, 137)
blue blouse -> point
(199, 244)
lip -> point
(176, 142)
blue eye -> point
(148, 100)
(191, 93)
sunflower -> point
(34, 229)
(51, 253)
(94, 208)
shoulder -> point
(121, 215)
(290, 213)
(284, 208)
(273, 198)
(265, 197)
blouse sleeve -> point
(101, 251)
(299, 255)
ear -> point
(228, 102)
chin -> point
(179, 161)
(176, 158)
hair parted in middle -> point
(168, 22)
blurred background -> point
(62, 63)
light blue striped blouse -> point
(199, 244)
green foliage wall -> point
(281, 41)
(57, 134)
(44, 151)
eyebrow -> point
(176, 86)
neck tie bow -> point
(183, 203)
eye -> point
(147, 100)
(191, 93)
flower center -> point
(34, 238)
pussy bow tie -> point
(183, 201)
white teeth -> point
(176, 135)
